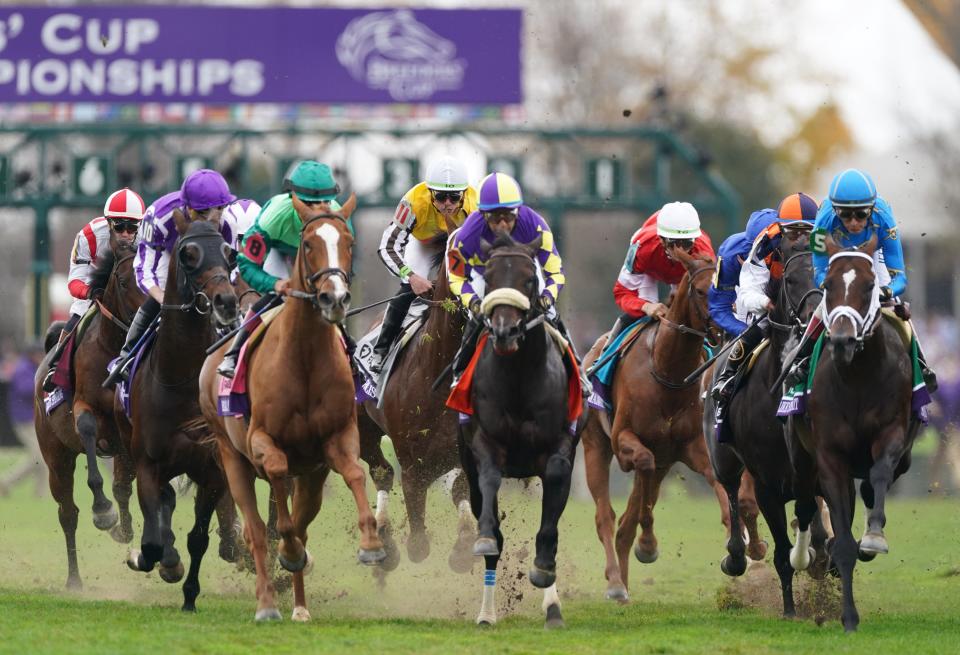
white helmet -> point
(678, 220)
(447, 174)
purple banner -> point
(273, 55)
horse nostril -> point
(325, 299)
(345, 301)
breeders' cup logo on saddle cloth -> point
(391, 51)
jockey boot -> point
(467, 347)
(228, 366)
(138, 327)
(929, 377)
(390, 328)
(585, 385)
(622, 321)
(799, 358)
(48, 384)
(723, 389)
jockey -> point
(501, 209)
(428, 211)
(748, 263)
(650, 260)
(121, 216)
(851, 216)
(204, 196)
(275, 234)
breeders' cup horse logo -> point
(391, 51)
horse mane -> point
(438, 244)
(101, 274)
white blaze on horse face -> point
(848, 279)
(331, 238)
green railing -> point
(561, 171)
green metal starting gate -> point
(561, 171)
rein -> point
(115, 274)
(793, 314)
(198, 293)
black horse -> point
(520, 425)
(166, 433)
(860, 420)
(757, 435)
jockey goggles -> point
(444, 196)
(124, 225)
(858, 213)
(683, 244)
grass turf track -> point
(909, 600)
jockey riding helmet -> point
(312, 182)
(678, 220)
(499, 191)
(447, 174)
(124, 204)
(204, 189)
(853, 188)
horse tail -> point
(52, 336)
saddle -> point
(63, 374)
(369, 385)
(601, 371)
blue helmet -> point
(853, 188)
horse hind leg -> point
(461, 556)
(749, 513)
(122, 532)
(104, 514)
(414, 482)
(62, 464)
(837, 486)
(882, 475)
(598, 454)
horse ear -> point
(349, 206)
(831, 246)
(683, 257)
(485, 247)
(180, 221)
(534, 246)
(870, 246)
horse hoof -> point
(486, 620)
(293, 567)
(107, 519)
(134, 558)
(800, 560)
(418, 547)
(541, 578)
(171, 574)
(300, 614)
(644, 557)
(371, 557)
(874, 543)
(617, 593)
(74, 583)
(733, 566)
(865, 557)
(121, 534)
(268, 614)
(757, 551)
(485, 546)
(554, 618)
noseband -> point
(199, 293)
(509, 296)
(862, 323)
(308, 279)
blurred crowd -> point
(17, 369)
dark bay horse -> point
(657, 422)
(860, 421)
(86, 426)
(166, 435)
(758, 441)
(520, 426)
(420, 425)
(303, 415)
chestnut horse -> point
(657, 422)
(860, 423)
(421, 427)
(520, 426)
(87, 425)
(303, 416)
(166, 433)
(757, 442)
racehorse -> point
(520, 427)
(421, 427)
(166, 435)
(87, 425)
(303, 416)
(860, 423)
(656, 424)
(757, 435)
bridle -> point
(683, 329)
(309, 279)
(793, 309)
(123, 324)
(509, 296)
(863, 323)
(199, 301)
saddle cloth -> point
(601, 371)
(63, 375)
(369, 385)
(794, 400)
(232, 397)
(461, 400)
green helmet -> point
(312, 182)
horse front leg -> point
(837, 486)
(104, 514)
(489, 477)
(273, 462)
(646, 550)
(776, 516)
(556, 491)
(891, 447)
(342, 452)
(171, 566)
(307, 499)
(597, 454)
(151, 507)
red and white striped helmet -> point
(124, 203)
